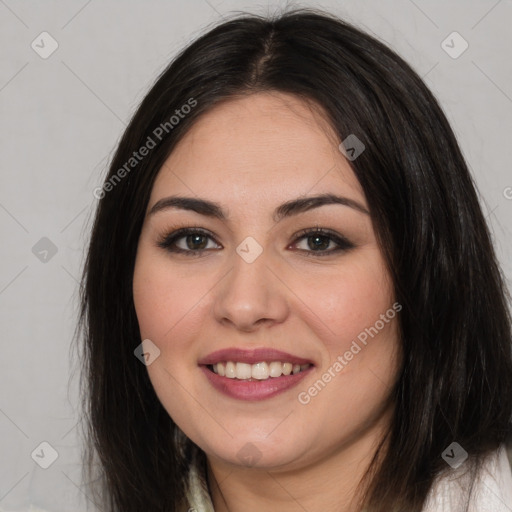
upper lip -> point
(253, 356)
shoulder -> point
(491, 491)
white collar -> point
(492, 491)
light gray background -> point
(61, 118)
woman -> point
(291, 299)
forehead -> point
(257, 147)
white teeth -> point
(230, 370)
(243, 371)
(275, 369)
(287, 368)
(258, 371)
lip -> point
(254, 390)
(253, 356)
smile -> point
(259, 371)
(253, 389)
(254, 374)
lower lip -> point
(254, 389)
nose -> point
(251, 295)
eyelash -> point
(167, 241)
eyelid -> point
(343, 243)
(175, 233)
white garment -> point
(492, 491)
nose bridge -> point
(249, 293)
(249, 277)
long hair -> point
(455, 380)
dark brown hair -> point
(456, 378)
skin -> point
(250, 155)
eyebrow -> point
(287, 209)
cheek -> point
(164, 298)
(343, 308)
(168, 308)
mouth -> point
(261, 371)
(253, 374)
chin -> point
(252, 452)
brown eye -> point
(190, 241)
(320, 241)
(194, 241)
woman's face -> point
(253, 281)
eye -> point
(319, 240)
(189, 241)
(194, 241)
